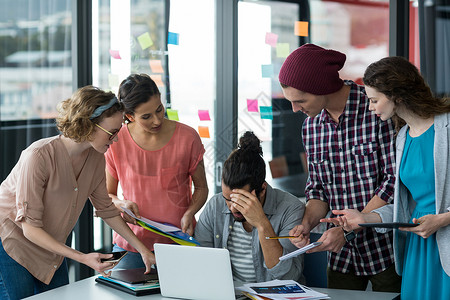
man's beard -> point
(239, 219)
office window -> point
(35, 58)
(265, 37)
(35, 72)
(173, 42)
(177, 52)
(360, 29)
(268, 31)
(430, 42)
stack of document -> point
(137, 289)
(279, 290)
(168, 230)
(132, 281)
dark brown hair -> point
(400, 81)
(135, 90)
(245, 165)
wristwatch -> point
(349, 235)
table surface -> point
(88, 289)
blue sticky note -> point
(266, 112)
(267, 71)
(172, 38)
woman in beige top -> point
(43, 196)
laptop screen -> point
(189, 272)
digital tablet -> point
(134, 276)
(388, 225)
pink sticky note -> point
(252, 105)
(115, 54)
(271, 39)
(204, 115)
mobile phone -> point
(117, 256)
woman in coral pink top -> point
(156, 162)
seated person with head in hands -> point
(246, 212)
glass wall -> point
(35, 72)
(35, 58)
(359, 29)
(430, 42)
(265, 38)
(268, 32)
(173, 42)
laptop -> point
(189, 272)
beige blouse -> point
(42, 190)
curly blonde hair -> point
(74, 113)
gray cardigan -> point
(283, 210)
(403, 206)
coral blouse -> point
(159, 181)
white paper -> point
(300, 251)
(162, 227)
(280, 285)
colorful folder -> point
(168, 230)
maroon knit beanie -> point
(313, 69)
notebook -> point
(189, 272)
(134, 276)
(138, 291)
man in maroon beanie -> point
(351, 165)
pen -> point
(279, 237)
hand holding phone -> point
(117, 256)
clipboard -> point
(394, 225)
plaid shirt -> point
(348, 164)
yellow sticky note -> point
(156, 66)
(157, 79)
(283, 50)
(172, 114)
(301, 28)
(145, 40)
(203, 131)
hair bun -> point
(250, 142)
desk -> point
(88, 289)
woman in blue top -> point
(422, 188)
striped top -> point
(240, 247)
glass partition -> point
(173, 42)
(268, 32)
(35, 72)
